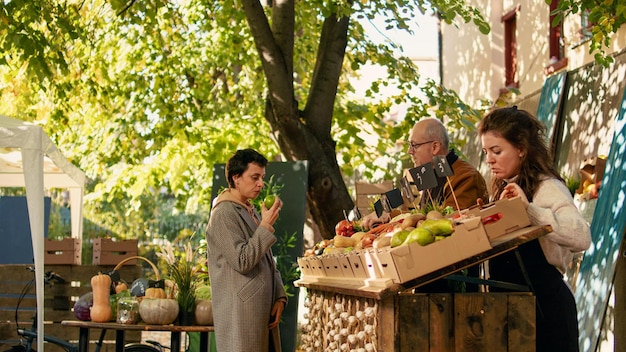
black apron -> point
(557, 321)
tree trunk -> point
(304, 135)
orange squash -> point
(154, 292)
(121, 286)
(101, 287)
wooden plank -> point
(373, 188)
(106, 251)
(411, 309)
(367, 193)
(521, 322)
(387, 319)
(108, 258)
(480, 322)
(441, 322)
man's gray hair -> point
(435, 130)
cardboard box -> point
(502, 216)
(305, 266)
(332, 268)
(358, 268)
(407, 262)
(404, 263)
(345, 265)
(370, 263)
(106, 251)
(65, 251)
(317, 268)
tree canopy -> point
(146, 96)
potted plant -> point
(182, 271)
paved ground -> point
(163, 337)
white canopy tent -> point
(29, 159)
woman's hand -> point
(269, 216)
(513, 190)
(277, 312)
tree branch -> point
(328, 66)
(272, 59)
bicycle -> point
(30, 335)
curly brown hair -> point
(528, 134)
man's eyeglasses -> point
(414, 146)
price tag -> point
(424, 176)
(356, 212)
(406, 189)
(442, 168)
(378, 207)
(394, 198)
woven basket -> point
(154, 268)
(163, 284)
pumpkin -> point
(156, 289)
(155, 292)
(101, 309)
(121, 286)
(158, 311)
(204, 312)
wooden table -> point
(120, 329)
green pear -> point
(398, 238)
(420, 235)
(440, 227)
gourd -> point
(121, 286)
(156, 289)
(101, 287)
(158, 311)
(204, 312)
(155, 292)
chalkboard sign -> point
(597, 270)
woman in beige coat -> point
(247, 290)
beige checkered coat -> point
(244, 279)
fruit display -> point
(411, 245)
(349, 235)
(345, 228)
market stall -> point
(366, 298)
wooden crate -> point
(367, 193)
(422, 322)
(59, 301)
(65, 251)
(106, 251)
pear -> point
(421, 235)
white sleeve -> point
(553, 205)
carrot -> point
(381, 228)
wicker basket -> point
(154, 268)
(158, 282)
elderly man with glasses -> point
(429, 138)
